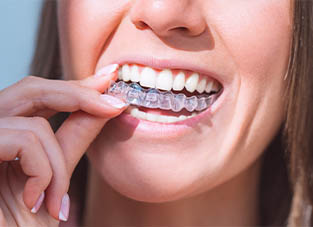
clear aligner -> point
(153, 98)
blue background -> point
(18, 22)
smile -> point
(164, 96)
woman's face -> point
(243, 45)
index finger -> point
(33, 94)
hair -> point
(286, 184)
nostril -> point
(141, 25)
(181, 30)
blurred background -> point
(18, 23)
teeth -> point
(120, 74)
(209, 87)
(201, 86)
(148, 77)
(192, 82)
(172, 119)
(135, 112)
(163, 119)
(126, 73)
(151, 117)
(179, 82)
(182, 117)
(132, 111)
(134, 74)
(141, 115)
(165, 80)
(215, 87)
(212, 86)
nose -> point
(166, 17)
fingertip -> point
(31, 198)
(65, 207)
(53, 205)
(100, 83)
(113, 101)
(106, 70)
(37, 205)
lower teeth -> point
(154, 99)
(135, 112)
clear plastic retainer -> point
(152, 98)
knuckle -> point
(28, 137)
(41, 122)
(77, 85)
(31, 83)
(27, 83)
(29, 79)
(48, 174)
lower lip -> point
(151, 129)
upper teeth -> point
(166, 79)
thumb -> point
(76, 134)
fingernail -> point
(106, 70)
(65, 208)
(115, 102)
(38, 203)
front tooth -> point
(135, 112)
(165, 80)
(192, 82)
(179, 82)
(151, 117)
(142, 115)
(209, 86)
(162, 119)
(148, 77)
(201, 86)
(134, 74)
(172, 119)
(126, 73)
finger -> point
(45, 113)
(33, 94)
(76, 134)
(92, 82)
(33, 160)
(3, 221)
(59, 184)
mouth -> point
(164, 95)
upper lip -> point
(159, 63)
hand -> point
(47, 159)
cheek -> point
(257, 35)
(84, 27)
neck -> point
(234, 203)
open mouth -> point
(165, 96)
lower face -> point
(243, 52)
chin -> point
(149, 176)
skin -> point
(46, 159)
(219, 35)
(218, 164)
